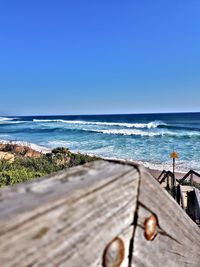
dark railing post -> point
(178, 194)
(172, 182)
(191, 204)
(174, 187)
(168, 182)
(191, 179)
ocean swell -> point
(150, 125)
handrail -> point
(167, 173)
(191, 172)
(173, 183)
(193, 197)
(163, 172)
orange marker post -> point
(174, 155)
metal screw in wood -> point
(114, 253)
(150, 228)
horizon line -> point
(102, 114)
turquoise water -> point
(146, 138)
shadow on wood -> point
(72, 217)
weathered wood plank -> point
(178, 240)
(68, 219)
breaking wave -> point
(137, 132)
(7, 119)
(150, 125)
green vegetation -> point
(23, 169)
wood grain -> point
(69, 218)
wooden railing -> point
(190, 173)
(105, 213)
(171, 183)
(193, 198)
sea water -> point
(144, 138)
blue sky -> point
(102, 56)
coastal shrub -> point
(42, 164)
(23, 168)
(10, 177)
(62, 150)
(78, 159)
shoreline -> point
(35, 147)
(155, 172)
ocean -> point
(145, 138)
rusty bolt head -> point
(150, 228)
(114, 253)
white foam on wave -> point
(125, 132)
(153, 124)
(138, 132)
(41, 149)
(6, 119)
(37, 120)
(61, 143)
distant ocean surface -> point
(145, 138)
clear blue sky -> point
(99, 56)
